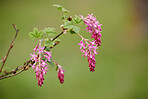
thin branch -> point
(10, 47)
(64, 31)
(17, 71)
(16, 30)
(56, 43)
(57, 36)
(12, 75)
(27, 64)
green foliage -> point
(70, 25)
(35, 34)
(48, 42)
(71, 28)
(57, 68)
(71, 31)
(59, 7)
(47, 48)
(76, 29)
(57, 40)
(64, 17)
(67, 23)
(77, 19)
(50, 31)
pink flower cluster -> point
(40, 65)
(60, 74)
(93, 27)
(88, 48)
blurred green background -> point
(122, 62)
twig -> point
(12, 75)
(64, 31)
(16, 30)
(27, 64)
(17, 71)
(10, 47)
(57, 36)
(56, 43)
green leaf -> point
(56, 5)
(69, 27)
(48, 43)
(47, 48)
(50, 31)
(64, 10)
(72, 32)
(59, 7)
(64, 17)
(35, 34)
(31, 35)
(57, 40)
(77, 19)
(67, 23)
(76, 29)
(57, 68)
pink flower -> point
(35, 49)
(40, 50)
(60, 74)
(88, 48)
(47, 55)
(44, 66)
(40, 66)
(39, 76)
(93, 27)
(34, 56)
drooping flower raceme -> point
(60, 73)
(40, 57)
(93, 27)
(88, 48)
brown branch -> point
(16, 30)
(12, 74)
(57, 36)
(27, 64)
(64, 31)
(57, 42)
(10, 47)
(17, 71)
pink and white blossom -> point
(93, 27)
(40, 66)
(60, 74)
(88, 48)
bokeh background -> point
(122, 62)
